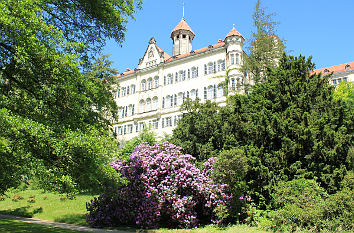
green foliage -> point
(304, 205)
(128, 148)
(56, 104)
(199, 132)
(266, 48)
(289, 126)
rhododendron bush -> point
(165, 189)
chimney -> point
(127, 69)
(219, 40)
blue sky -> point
(322, 29)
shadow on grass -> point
(22, 211)
(22, 227)
(77, 219)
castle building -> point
(341, 73)
(151, 94)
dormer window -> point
(326, 71)
(347, 66)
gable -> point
(152, 56)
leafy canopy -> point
(50, 90)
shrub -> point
(17, 197)
(31, 200)
(44, 197)
(2, 198)
(304, 205)
(165, 189)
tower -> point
(182, 37)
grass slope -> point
(14, 226)
(47, 206)
(57, 208)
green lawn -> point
(47, 206)
(14, 226)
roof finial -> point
(233, 26)
(183, 11)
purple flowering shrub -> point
(165, 189)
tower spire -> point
(183, 11)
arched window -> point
(168, 101)
(149, 84)
(220, 92)
(141, 106)
(148, 105)
(143, 85)
(155, 101)
(210, 92)
(180, 98)
(194, 72)
(156, 82)
(193, 95)
(233, 84)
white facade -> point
(151, 95)
(341, 73)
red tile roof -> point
(234, 32)
(168, 58)
(336, 69)
(165, 55)
(182, 26)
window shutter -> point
(176, 79)
(189, 73)
(163, 123)
(196, 93)
(163, 102)
(205, 92)
(205, 69)
(175, 99)
(164, 80)
(214, 67)
(197, 72)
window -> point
(156, 82)
(120, 130)
(141, 126)
(130, 128)
(237, 58)
(232, 59)
(163, 123)
(132, 88)
(155, 103)
(180, 98)
(182, 75)
(175, 100)
(155, 124)
(238, 84)
(345, 79)
(123, 91)
(127, 90)
(210, 68)
(194, 72)
(143, 85)
(132, 109)
(141, 106)
(221, 65)
(149, 83)
(334, 82)
(210, 92)
(347, 66)
(169, 79)
(220, 91)
(168, 121)
(148, 105)
(339, 80)
(118, 93)
(233, 84)
(193, 95)
(168, 101)
(326, 71)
